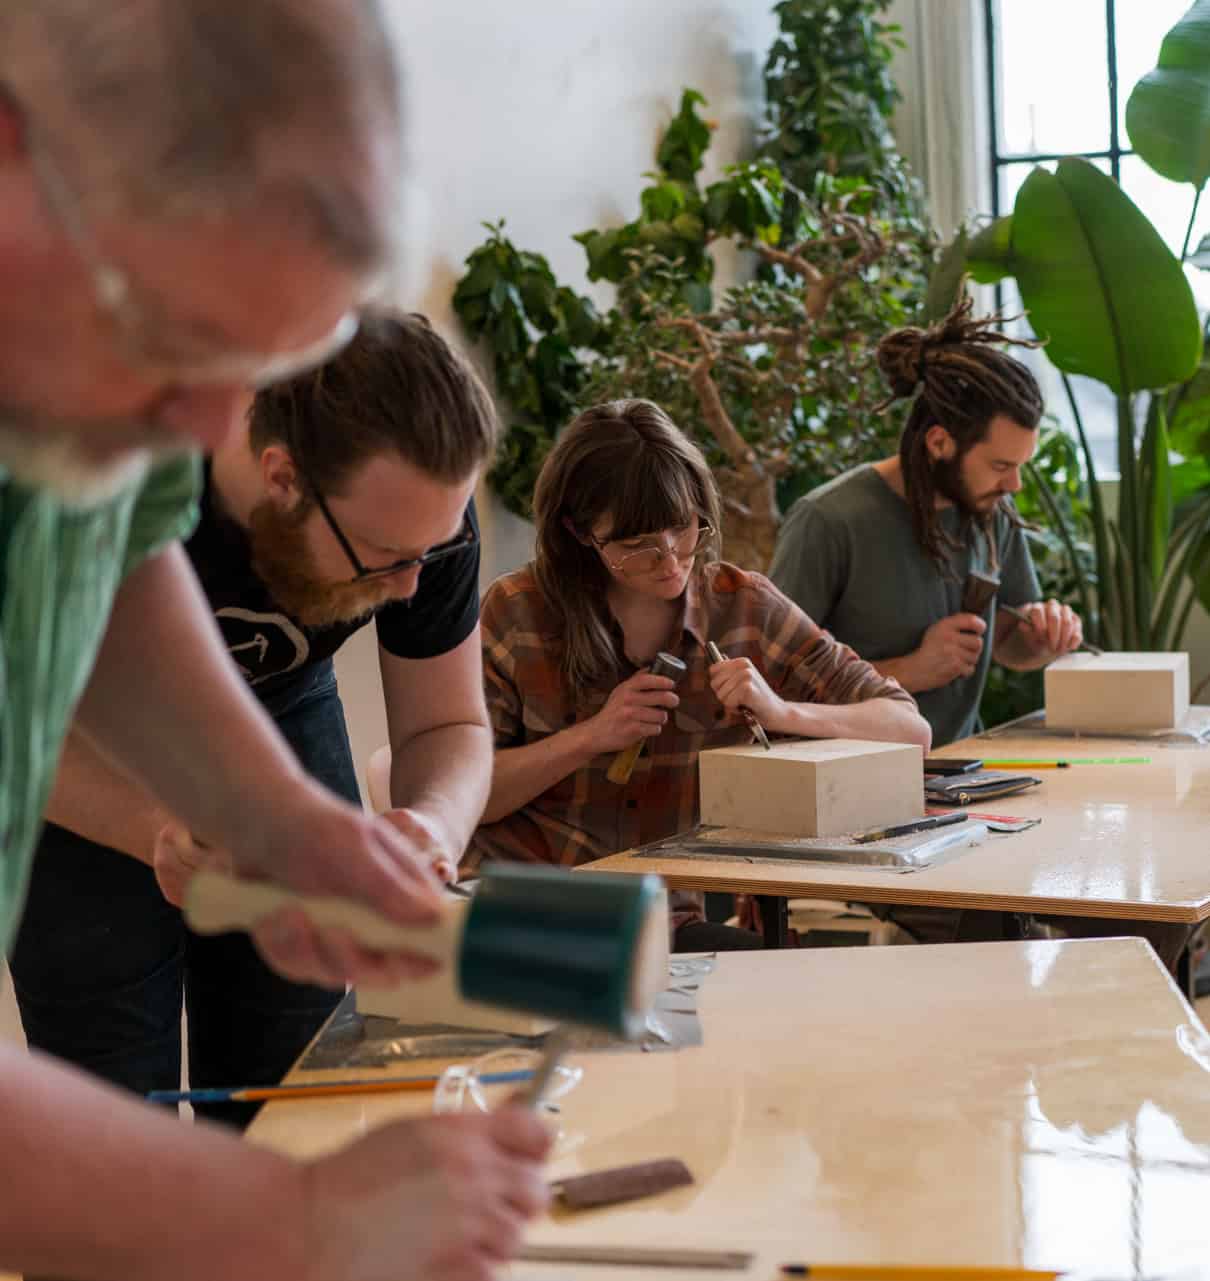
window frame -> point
(1114, 153)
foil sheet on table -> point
(359, 1040)
(911, 853)
(1193, 731)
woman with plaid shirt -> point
(628, 516)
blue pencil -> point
(256, 1093)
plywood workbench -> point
(1115, 841)
(1040, 1104)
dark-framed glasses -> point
(466, 538)
(629, 559)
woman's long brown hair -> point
(627, 462)
(962, 382)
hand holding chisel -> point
(758, 730)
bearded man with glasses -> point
(391, 434)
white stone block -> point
(1117, 693)
(828, 787)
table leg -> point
(774, 918)
(1184, 974)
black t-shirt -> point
(273, 650)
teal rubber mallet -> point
(587, 949)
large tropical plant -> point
(1112, 302)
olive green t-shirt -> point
(60, 568)
(848, 557)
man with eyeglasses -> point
(346, 497)
(196, 197)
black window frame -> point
(1114, 153)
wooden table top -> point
(1127, 841)
(1039, 1104)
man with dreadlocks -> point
(879, 556)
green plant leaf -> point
(663, 200)
(697, 296)
(1200, 573)
(1168, 112)
(685, 141)
(1189, 421)
(1157, 491)
(946, 278)
(607, 250)
(580, 318)
(989, 254)
(1099, 283)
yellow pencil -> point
(321, 1089)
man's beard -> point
(284, 563)
(50, 458)
(948, 482)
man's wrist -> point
(901, 669)
(435, 824)
(285, 1246)
(272, 1242)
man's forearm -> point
(99, 1186)
(445, 773)
(902, 669)
(94, 799)
(167, 705)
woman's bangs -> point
(655, 493)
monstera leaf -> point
(1100, 285)
(1168, 114)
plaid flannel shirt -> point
(585, 816)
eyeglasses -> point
(180, 359)
(465, 539)
(642, 560)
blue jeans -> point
(103, 961)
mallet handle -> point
(624, 762)
(216, 903)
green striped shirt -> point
(59, 571)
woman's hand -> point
(737, 683)
(637, 708)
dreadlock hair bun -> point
(901, 357)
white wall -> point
(547, 113)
